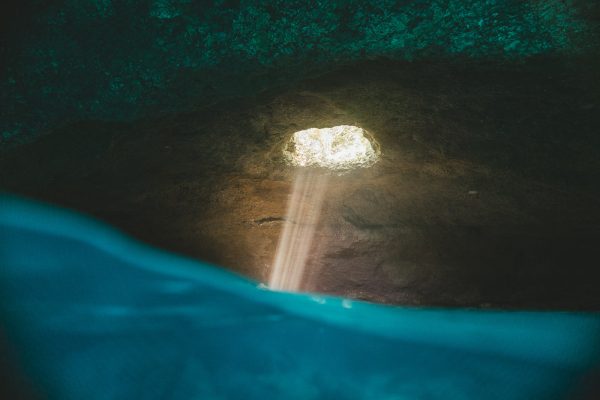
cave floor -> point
(486, 194)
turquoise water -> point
(96, 315)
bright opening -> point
(341, 147)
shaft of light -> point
(304, 209)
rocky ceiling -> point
(70, 60)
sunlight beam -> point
(304, 209)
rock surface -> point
(485, 195)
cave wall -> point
(76, 60)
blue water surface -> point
(96, 315)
